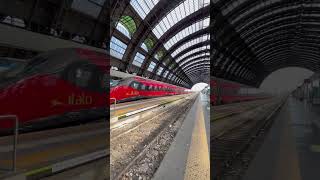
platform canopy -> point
(251, 39)
(163, 40)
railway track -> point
(137, 152)
(232, 149)
(224, 111)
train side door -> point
(133, 92)
(84, 77)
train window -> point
(33, 64)
(143, 87)
(150, 88)
(134, 85)
(83, 76)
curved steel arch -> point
(194, 54)
(206, 57)
(201, 44)
(197, 66)
(187, 21)
(204, 63)
(200, 70)
(144, 29)
(195, 74)
(277, 33)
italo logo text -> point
(79, 99)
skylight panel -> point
(117, 48)
(144, 47)
(193, 58)
(177, 14)
(192, 52)
(159, 70)
(151, 66)
(143, 7)
(190, 43)
(138, 59)
(187, 31)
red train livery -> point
(56, 86)
(224, 92)
(134, 88)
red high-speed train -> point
(224, 92)
(56, 86)
(134, 88)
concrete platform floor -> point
(188, 156)
(291, 150)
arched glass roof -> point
(163, 33)
(266, 35)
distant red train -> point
(224, 92)
(134, 88)
(62, 85)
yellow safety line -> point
(198, 162)
(287, 163)
(33, 159)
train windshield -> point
(33, 64)
(10, 67)
(114, 82)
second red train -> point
(134, 88)
(225, 92)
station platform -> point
(188, 155)
(122, 110)
(48, 152)
(291, 150)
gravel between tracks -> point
(137, 153)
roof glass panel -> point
(193, 59)
(149, 42)
(159, 71)
(159, 54)
(126, 26)
(184, 9)
(117, 48)
(144, 47)
(151, 66)
(192, 52)
(165, 73)
(129, 23)
(198, 60)
(187, 31)
(191, 43)
(143, 7)
(192, 67)
(123, 30)
(138, 59)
